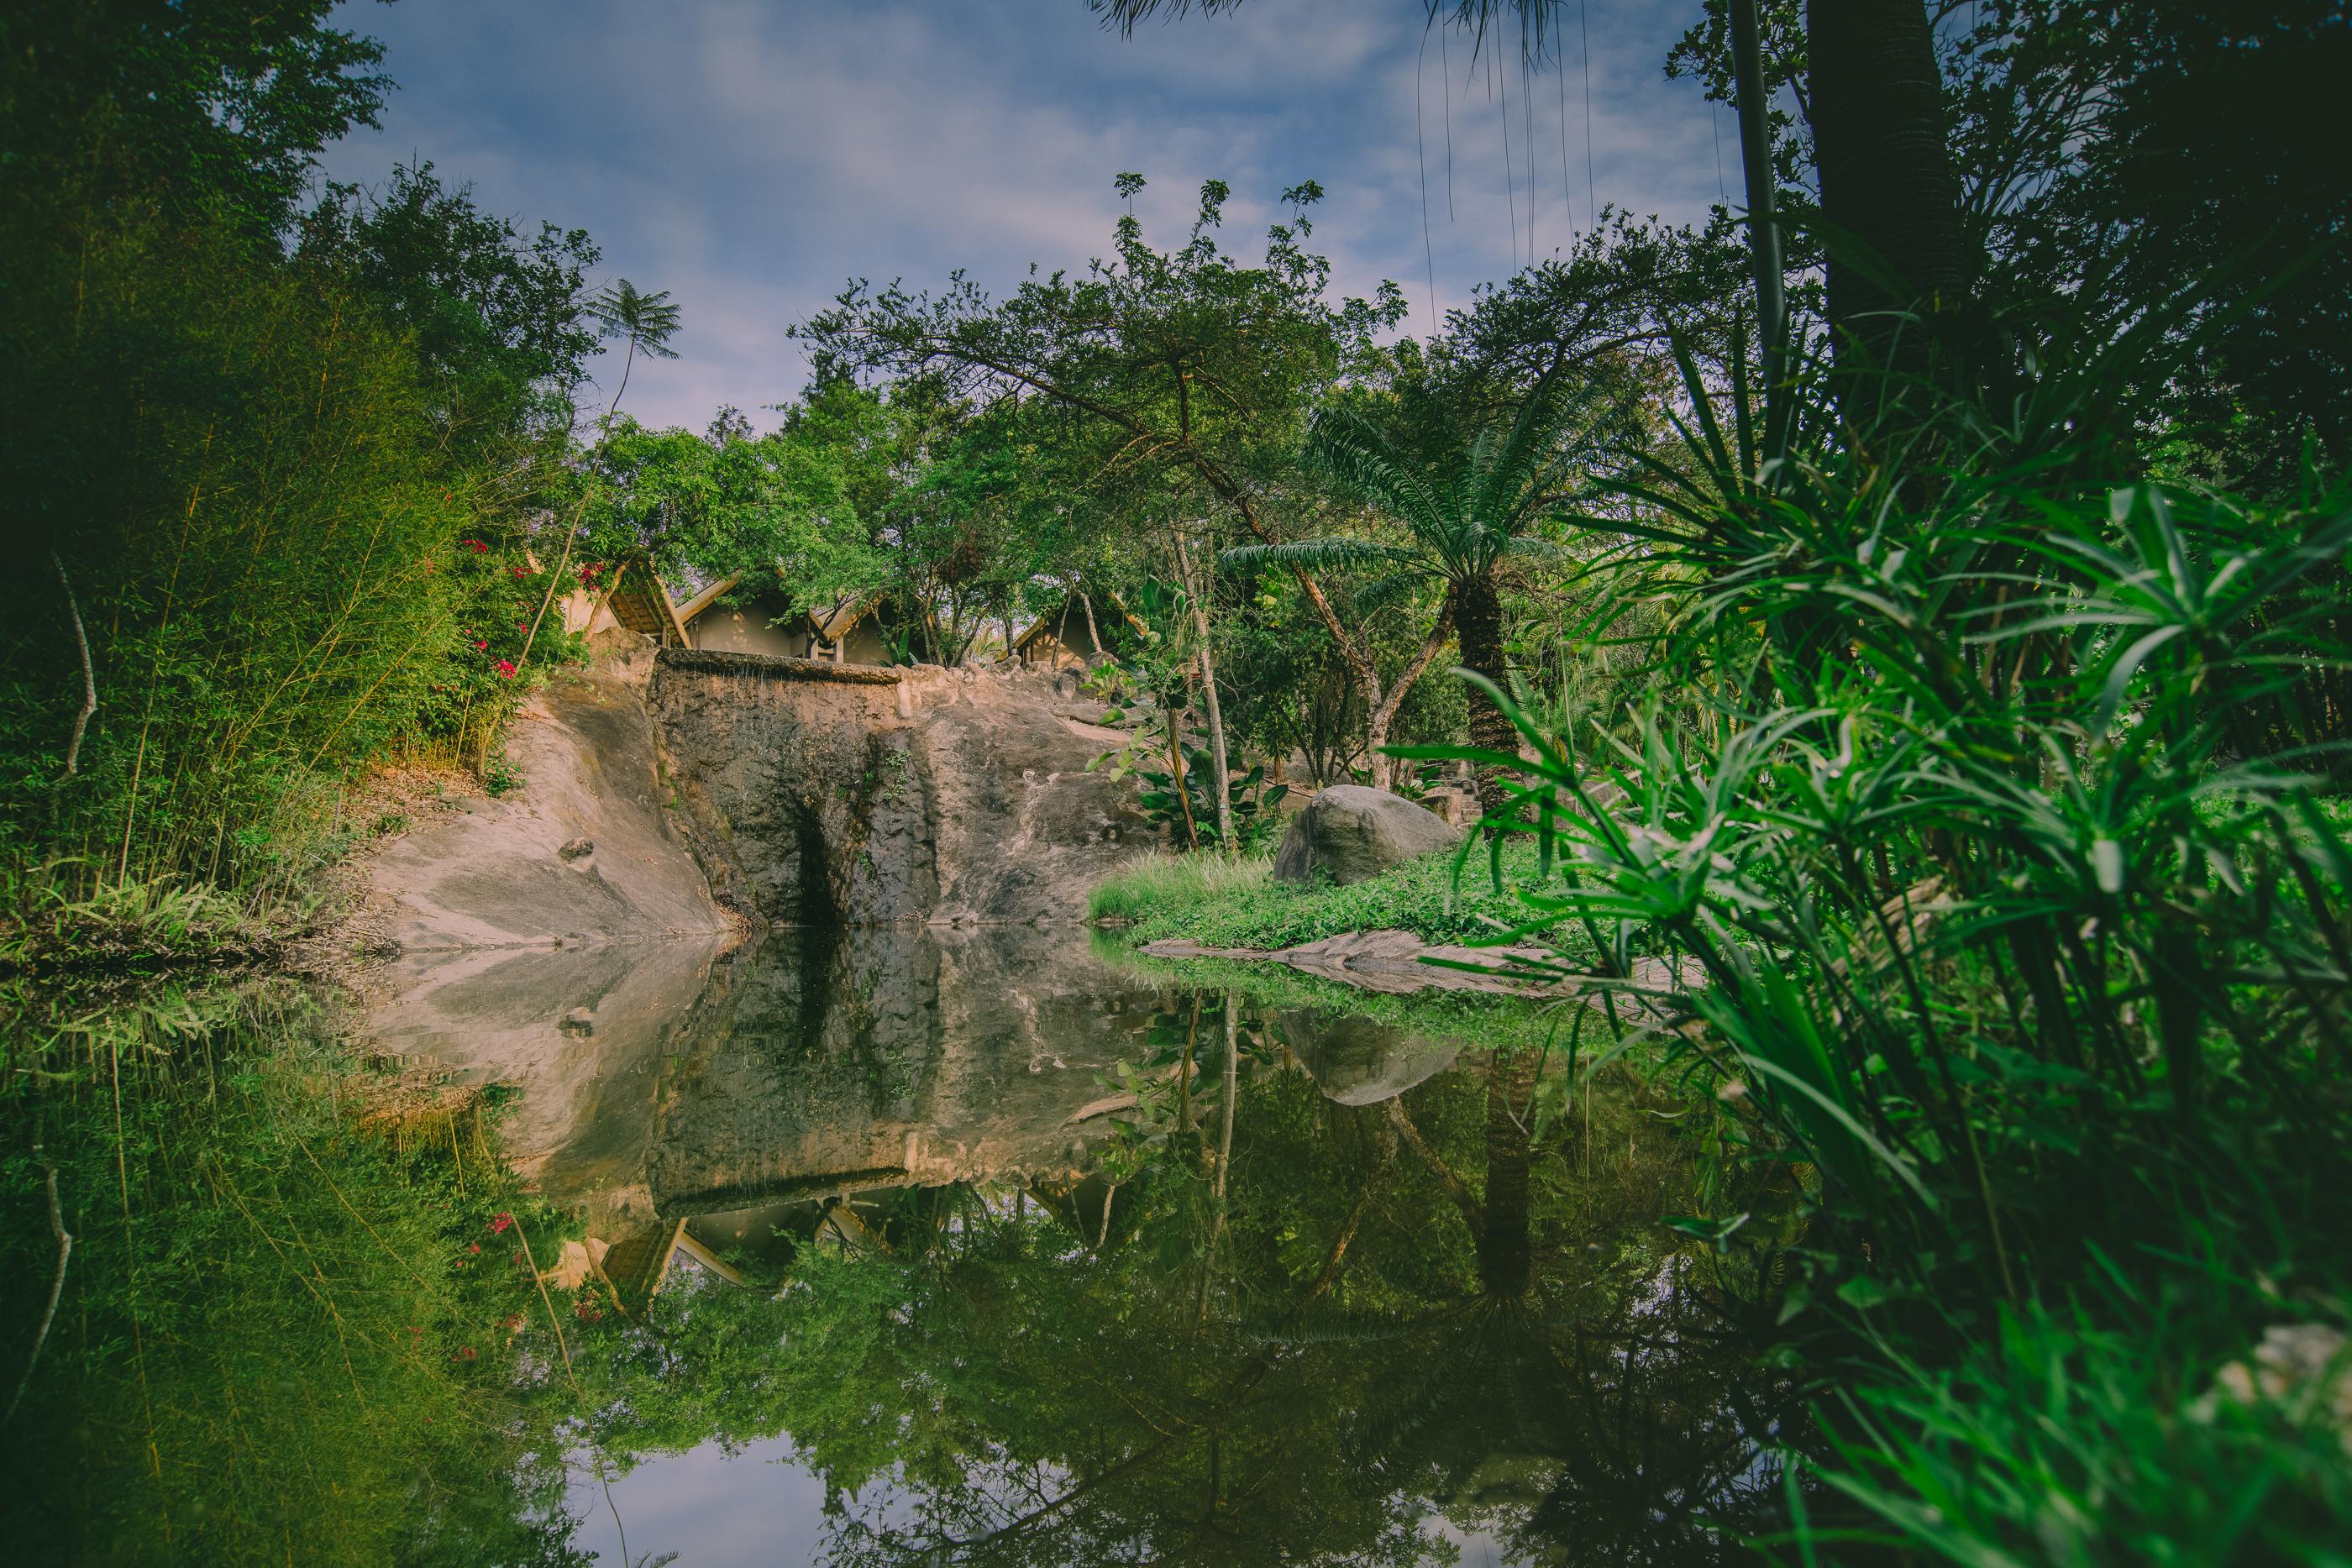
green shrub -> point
(2080, 1436)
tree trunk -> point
(1478, 621)
(1383, 713)
(1183, 791)
(89, 677)
(1755, 163)
(1886, 167)
(1220, 771)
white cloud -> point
(749, 158)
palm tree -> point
(647, 322)
(1466, 519)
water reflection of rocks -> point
(1080, 1265)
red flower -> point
(480, 549)
(465, 1354)
(473, 1247)
(482, 645)
(506, 668)
(499, 1222)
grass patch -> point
(45, 923)
(1237, 903)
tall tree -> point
(1887, 181)
(1191, 370)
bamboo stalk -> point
(56, 1282)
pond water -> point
(994, 1245)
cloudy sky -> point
(751, 155)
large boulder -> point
(1350, 832)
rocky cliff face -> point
(816, 795)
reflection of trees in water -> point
(1588, 1407)
(1363, 1317)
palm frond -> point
(1335, 551)
(1357, 459)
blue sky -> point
(751, 157)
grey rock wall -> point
(815, 798)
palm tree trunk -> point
(1478, 621)
(1756, 161)
(572, 524)
(1885, 166)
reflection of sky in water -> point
(711, 1507)
(759, 1506)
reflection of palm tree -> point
(1500, 1219)
(1506, 1260)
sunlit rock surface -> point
(582, 850)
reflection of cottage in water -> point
(701, 1248)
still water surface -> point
(999, 1246)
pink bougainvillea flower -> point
(506, 668)
(481, 549)
(481, 645)
(499, 1222)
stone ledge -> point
(774, 667)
